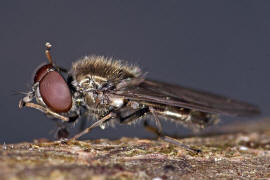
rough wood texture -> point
(244, 155)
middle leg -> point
(96, 124)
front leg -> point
(47, 111)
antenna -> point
(47, 52)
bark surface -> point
(243, 152)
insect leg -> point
(134, 116)
(169, 139)
(158, 124)
(154, 130)
(96, 124)
(42, 109)
(111, 115)
(47, 111)
(139, 114)
(61, 131)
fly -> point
(110, 91)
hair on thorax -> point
(104, 67)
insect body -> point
(111, 91)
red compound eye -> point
(54, 91)
(41, 72)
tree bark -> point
(236, 154)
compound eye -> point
(41, 72)
(55, 92)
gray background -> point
(218, 46)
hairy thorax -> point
(94, 76)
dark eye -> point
(55, 92)
(41, 72)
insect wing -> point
(174, 95)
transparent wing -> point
(174, 95)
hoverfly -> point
(110, 91)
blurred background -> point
(217, 46)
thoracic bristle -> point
(104, 67)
